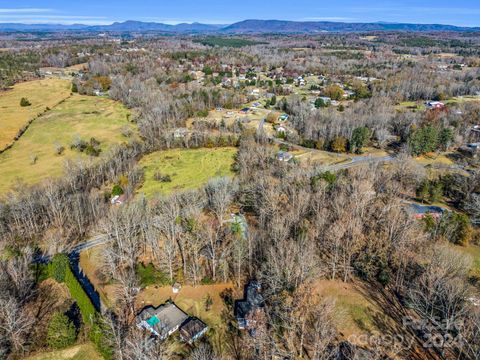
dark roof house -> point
(162, 321)
(253, 301)
(420, 211)
(192, 330)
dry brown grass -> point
(41, 94)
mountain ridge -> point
(250, 26)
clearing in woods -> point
(77, 352)
(42, 94)
(187, 168)
(33, 157)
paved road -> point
(92, 242)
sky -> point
(92, 12)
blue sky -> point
(459, 12)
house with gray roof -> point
(161, 321)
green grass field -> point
(474, 252)
(77, 352)
(79, 116)
(41, 94)
(187, 168)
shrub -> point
(61, 332)
(334, 92)
(117, 190)
(24, 102)
(162, 178)
(360, 138)
(59, 149)
(100, 334)
(339, 144)
(320, 103)
(457, 228)
(58, 267)
(74, 88)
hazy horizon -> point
(89, 12)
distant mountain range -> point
(242, 27)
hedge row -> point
(83, 301)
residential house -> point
(118, 199)
(421, 211)
(284, 156)
(180, 133)
(255, 92)
(281, 130)
(434, 105)
(192, 330)
(161, 321)
(245, 308)
(472, 149)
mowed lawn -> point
(355, 313)
(41, 94)
(79, 116)
(187, 168)
(77, 352)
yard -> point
(355, 313)
(40, 93)
(34, 157)
(77, 352)
(186, 169)
(191, 299)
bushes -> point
(162, 178)
(334, 92)
(61, 332)
(429, 138)
(91, 148)
(24, 102)
(339, 144)
(360, 138)
(58, 267)
(117, 190)
(100, 334)
(456, 227)
(430, 191)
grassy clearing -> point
(474, 252)
(188, 169)
(435, 159)
(355, 313)
(77, 352)
(40, 93)
(79, 116)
